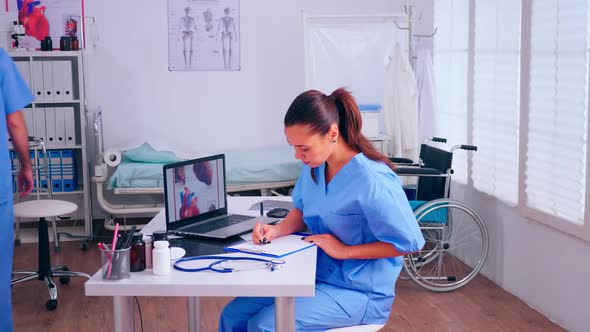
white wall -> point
(544, 267)
(204, 111)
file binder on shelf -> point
(39, 123)
(60, 126)
(50, 139)
(55, 170)
(68, 169)
(38, 89)
(70, 126)
(48, 90)
(24, 67)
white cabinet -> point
(58, 117)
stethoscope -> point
(218, 265)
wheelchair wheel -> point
(456, 248)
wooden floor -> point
(480, 306)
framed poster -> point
(42, 18)
(203, 35)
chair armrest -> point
(417, 171)
(399, 160)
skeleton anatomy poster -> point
(203, 35)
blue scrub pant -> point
(6, 247)
(312, 314)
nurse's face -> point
(312, 149)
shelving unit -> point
(58, 116)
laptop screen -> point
(194, 190)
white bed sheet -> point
(250, 167)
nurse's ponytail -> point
(350, 124)
(318, 111)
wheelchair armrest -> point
(399, 160)
(417, 171)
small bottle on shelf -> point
(75, 44)
(48, 44)
(65, 43)
(137, 252)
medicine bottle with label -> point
(161, 258)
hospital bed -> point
(265, 170)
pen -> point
(105, 250)
(113, 247)
(129, 236)
(252, 250)
(262, 239)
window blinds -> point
(496, 98)
(450, 72)
(558, 95)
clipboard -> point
(278, 248)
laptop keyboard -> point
(217, 224)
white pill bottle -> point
(161, 258)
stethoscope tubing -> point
(273, 264)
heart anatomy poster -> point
(203, 35)
(42, 18)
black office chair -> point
(43, 209)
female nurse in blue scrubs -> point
(352, 202)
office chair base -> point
(61, 271)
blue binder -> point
(55, 170)
(68, 168)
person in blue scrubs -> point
(352, 202)
(14, 95)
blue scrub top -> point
(14, 95)
(363, 203)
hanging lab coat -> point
(400, 106)
(426, 96)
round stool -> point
(358, 328)
(42, 209)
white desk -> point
(295, 279)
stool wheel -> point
(51, 305)
(64, 280)
(84, 245)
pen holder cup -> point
(116, 264)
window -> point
(450, 72)
(529, 117)
(555, 174)
(496, 98)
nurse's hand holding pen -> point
(263, 233)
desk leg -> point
(193, 309)
(285, 314)
(123, 313)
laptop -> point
(196, 200)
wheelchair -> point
(457, 240)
